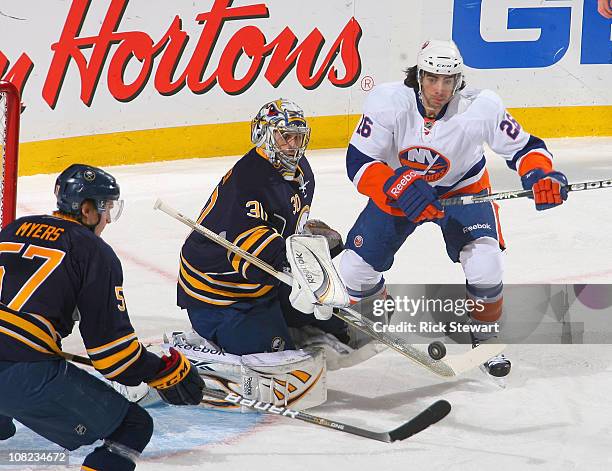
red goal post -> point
(10, 108)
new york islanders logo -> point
(428, 162)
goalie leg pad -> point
(291, 378)
(219, 369)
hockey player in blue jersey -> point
(56, 269)
(422, 140)
(263, 199)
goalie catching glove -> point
(178, 382)
(333, 237)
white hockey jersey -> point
(447, 151)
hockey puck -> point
(436, 350)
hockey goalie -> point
(251, 334)
(292, 377)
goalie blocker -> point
(316, 287)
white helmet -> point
(442, 58)
(284, 118)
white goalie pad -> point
(312, 265)
(292, 378)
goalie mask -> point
(280, 129)
(440, 58)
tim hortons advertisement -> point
(312, 59)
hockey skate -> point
(496, 368)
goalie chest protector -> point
(254, 207)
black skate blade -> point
(499, 381)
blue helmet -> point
(81, 182)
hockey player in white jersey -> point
(419, 141)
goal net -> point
(9, 143)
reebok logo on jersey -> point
(476, 226)
(401, 185)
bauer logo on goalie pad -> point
(264, 406)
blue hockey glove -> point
(549, 188)
(413, 195)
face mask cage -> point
(111, 209)
(285, 146)
(281, 131)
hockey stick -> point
(259, 263)
(507, 195)
(434, 413)
(450, 366)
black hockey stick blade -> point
(434, 413)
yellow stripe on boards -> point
(214, 140)
(565, 121)
(132, 147)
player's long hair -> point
(412, 79)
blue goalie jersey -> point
(56, 271)
(256, 209)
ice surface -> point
(555, 413)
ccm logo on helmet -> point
(400, 186)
